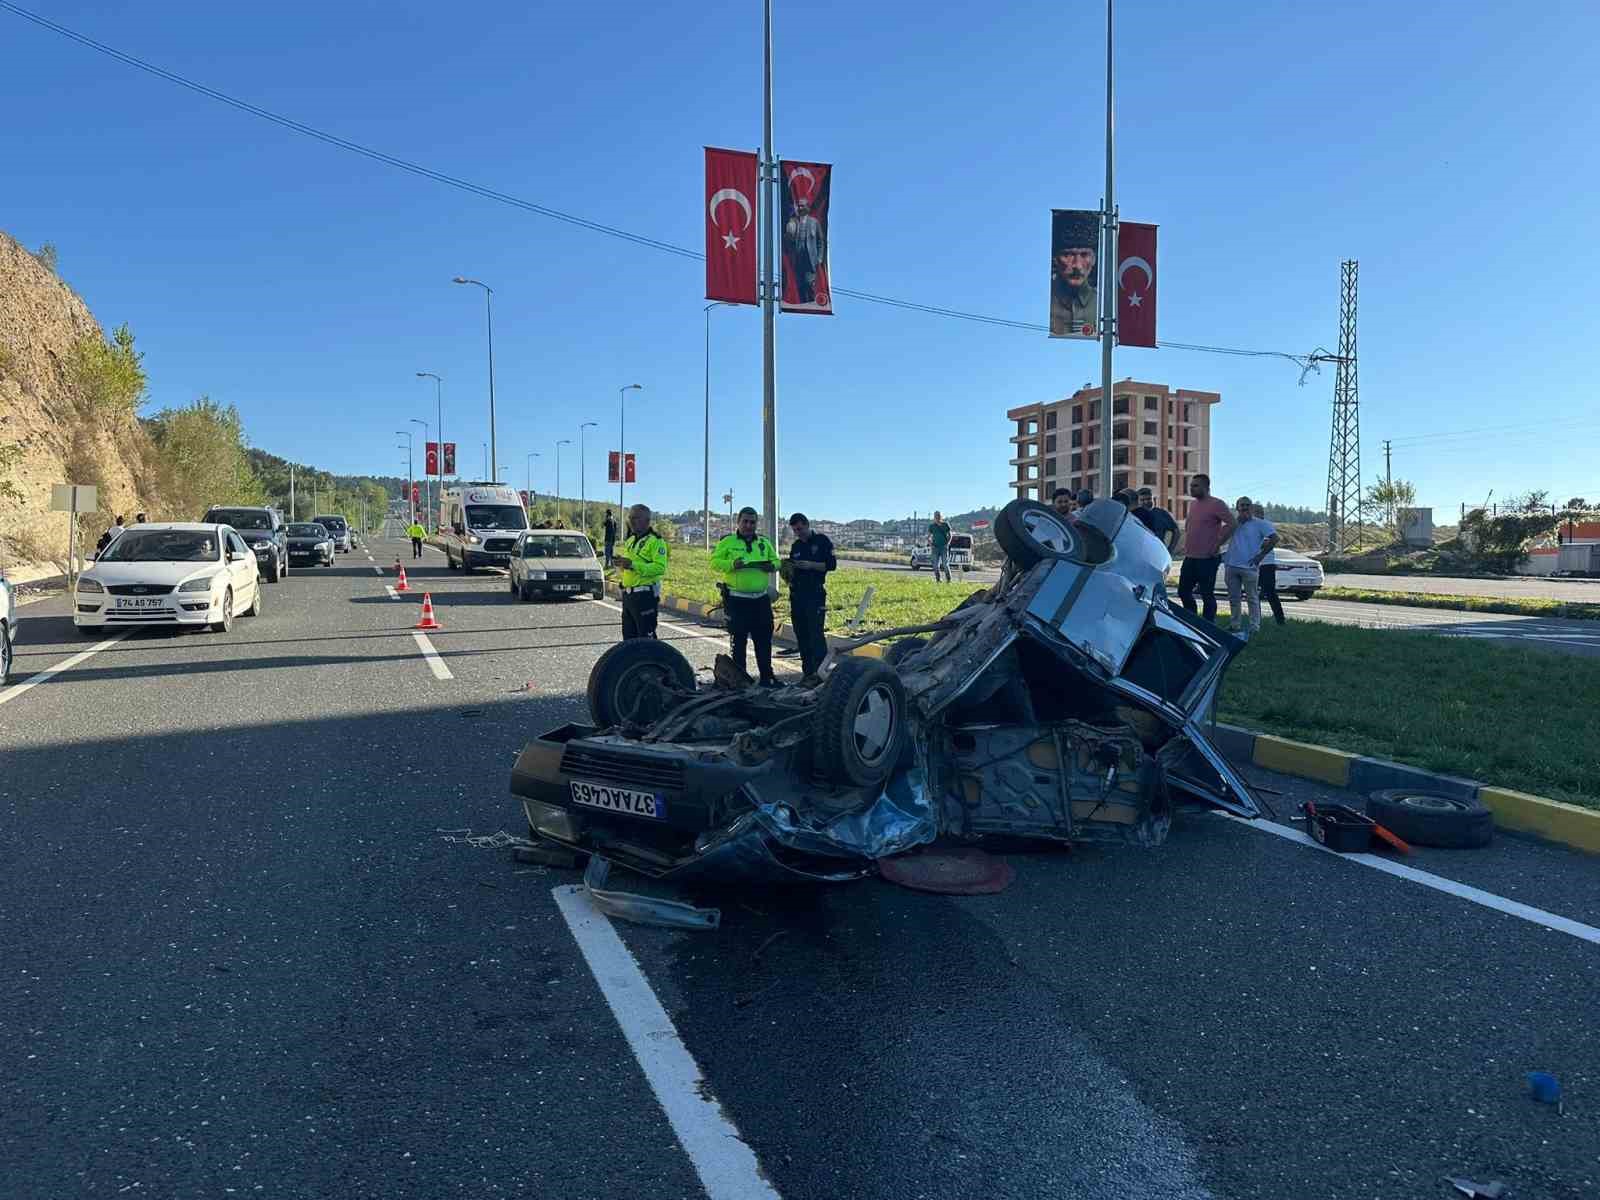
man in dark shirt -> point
(610, 528)
(810, 560)
(1157, 520)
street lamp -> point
(485, 446)
(705, 513)
(411, 478)
(622, 443)
(438, 398)
(426, 476)
(561, 443)
(532, 496)
(488, 311)
(583, 488)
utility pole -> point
(1388, 473)
(291, 492)
(1108, 281)
(1344, 444)
(769, 297)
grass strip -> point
(1497, 714)
(1522, 606)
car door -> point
(243, 570)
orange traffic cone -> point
(427, 621)
(402, 586)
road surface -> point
(246, 952)
(1517, 588)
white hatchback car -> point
(8, 629)
(178, 575)
(554, 562)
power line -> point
(1307, 362)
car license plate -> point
(615, 799)
(563, 587)
(140, 602)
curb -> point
(1551, 820)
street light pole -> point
(1108, 293)
(561, 443)
(705, 499)
(438, 398)
(769, 298)
(583, 486)
(528, 462)
(411, 478)
(428, 478)
(488, 309)
(622, 444)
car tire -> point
(1030, 532)
(617, 682)
(512, 583)
(899, 651)
(860, 722)
(1432, 819)
(1303, 593)
(5, 654)
(255, 605)
(525, 594)
(274, 571)
(224, 625)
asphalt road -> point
(1516, 588)
(243, 956)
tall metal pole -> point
(622, 444)
(561, 443)
(533, 497)
(291, 492)
(583, 476)
(491, 448)
(411, 477)
(438, 398)
(705, 502)
(427, 479)
(1108, 277)
(769, 299)
(1388, 474)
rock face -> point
(63, 438)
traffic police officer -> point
(643, 559)
(747, 562)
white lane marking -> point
(727, 1167)
(393, 595)
(435, 663)
(377, 570)
(33, 681)
(1438, 883)
(695, 633)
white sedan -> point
(178, 575)
(8, 629)
(1298, 574)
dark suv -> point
(264, 532)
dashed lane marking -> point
(435, 663)
(393, 595)
(726, 1164)
(695, 633)
(34, 680)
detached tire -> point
(1030, 532)
(1430, 819)
(860, 722)
(619, 683)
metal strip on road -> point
(1438, 883)
(727, 1166)
(34, 680)
(435, 663)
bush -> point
(109, 376)
(202, 459)
(9, 457)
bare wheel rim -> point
(1431, 803)
(633, 682)
(227, 609)
(874, 723)
(1049, 530)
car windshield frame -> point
(488, 517)
(561, 540)
(121, 550)
(224, 516)
(308, 529)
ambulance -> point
(479, 524)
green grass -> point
(873, 555)
(1513, 717)
(897, 600)
(1524, 606)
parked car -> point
(1065, 703)
(263, 530)
(178, 575)
(921, 557)
(1298, 574)
(960, 554)
(8, 623)
(310, 543)
(555, 562)
(339, 529)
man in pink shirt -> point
(1208, 525)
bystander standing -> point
(1206, 528)
(1252, 540)
(1157, 520)
(939, 544)
(810, 559)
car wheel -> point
(636, 681)
(226, 623)
(1430, 819)
(512, 583)
(5, 655)
(274, 572)
(899, 651)
(1304, 593)
(860, 722)
(1030, 532)
(526, 594)
(255, 605)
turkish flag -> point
(611, 468)
(731, 242)
(629, 471)
(416, 493)
(524, 496)
(431, 458)
(1136, 284)
(449, 458)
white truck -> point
(479, 524)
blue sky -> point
(1447, 146)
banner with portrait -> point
(803, 195)
(1074, 273)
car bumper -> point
(176, 613)
(486, 558)
(545, 589)
(309, 556)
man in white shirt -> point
(1253, 539)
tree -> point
(1385, 499)
(203, 461)
(1577, 504)
(109, 375)
(46, 254)
(9, 457)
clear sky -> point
(1449, 146)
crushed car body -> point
(1067, 703)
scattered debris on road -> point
(1493, 1190)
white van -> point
(481, 522)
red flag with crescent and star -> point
(1136, 284)
(731, 243)
(431, 463)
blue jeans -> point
(941, 562)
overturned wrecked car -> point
(1067, 702)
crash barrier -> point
(1517, 812)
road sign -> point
(74, 498)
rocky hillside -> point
(56, 423)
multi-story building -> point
(1160, 436)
